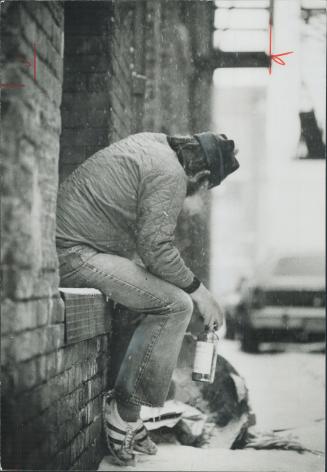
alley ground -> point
(287, 392)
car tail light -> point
(258, 298)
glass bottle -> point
(205, 358)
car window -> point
(304, 265)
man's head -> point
(207, 158)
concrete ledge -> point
(87, 313)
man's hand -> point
(208, 307)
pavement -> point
(287, 392)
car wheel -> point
(249, 340)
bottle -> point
(205, 359)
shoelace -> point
(129, 438)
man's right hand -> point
(208, 307)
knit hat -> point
(219, 153)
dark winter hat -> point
(220, 156)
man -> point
(122, 201)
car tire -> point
(249, 340)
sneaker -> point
(119, 434)
(142, 441)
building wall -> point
(293, 217)
(51, 401)
(103, 88)
(87, 75)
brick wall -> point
(103, 88)
(51, 401)
(128, 67)
(87, 74)
(168, 69)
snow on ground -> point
(186, 458)
(286, 383)
(287, 390)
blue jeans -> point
(145, 373)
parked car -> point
(232, 303)
(284, 300)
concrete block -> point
(78, 446)
(50, 118)
(42, 15)
(6, 343)
(8, 312)
(18, 283)
(45, 285)
(51, 364)
(57, 310)
(27, 375)
(60, 360)
(58, 386)
(75, 377)
(30, 403)
(42, 308)
(95, 386)
(55, 337)
(95, 407)
(26, 315)
(28, 344)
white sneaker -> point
(119, 434)
(124, 437)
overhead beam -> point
(240, 59)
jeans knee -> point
(183, 304)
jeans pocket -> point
(69, 264)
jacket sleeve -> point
(160, 203)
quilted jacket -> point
(125, 199)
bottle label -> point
(203, 357)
